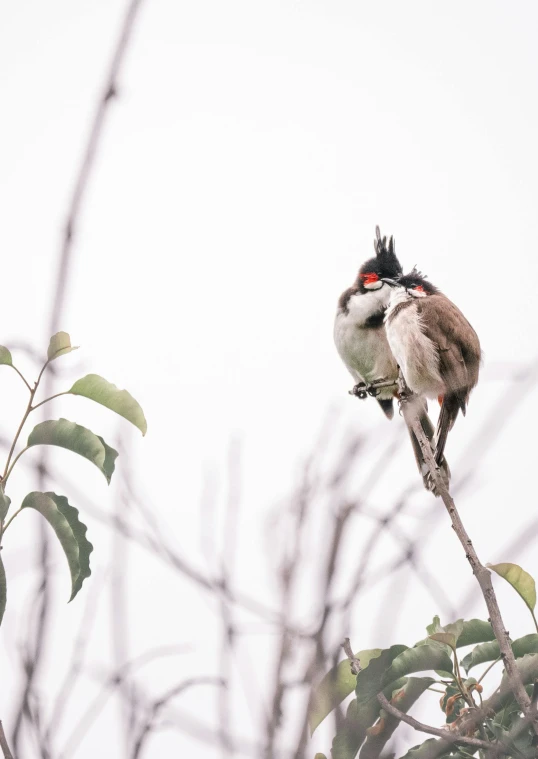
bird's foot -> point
(360, 390)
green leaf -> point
(320, 756)
(432, 748)
(335, 686)
(520, 580)
(97, 389)
(418, 659)
(475, 631)
(447, 638)
(3, 589)
(5, 356)
(78, 439)
(488, 652)
(371, 680)
(4, 503)
(60, 343)
(403, 699)
(70, 531)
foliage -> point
(367, 727)
(62, 516)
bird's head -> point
(385, 264)
(414, 284)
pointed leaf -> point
(488, 652)
(3, 589)
(4, 503)
(70, 531)
(403, 699)
(418, 659)
(475, 631)
(5, 356)
(447, 638)
(335, 686)
(97, 389)
(435, 626)
(433, 748)
(371, 680)
(520, 580)
(60, 343)
(78, 439)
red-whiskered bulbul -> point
(436, 348)
(361, 339)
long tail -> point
(429, 431)
(449, 411)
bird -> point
(435, 347)
(361, 340)
(359, 333)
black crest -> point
(386, 256)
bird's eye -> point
(369, 278)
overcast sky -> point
(252, 151)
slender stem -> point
(17, 457)
(29, 409)
(482, 575)
(57, 395)
(485, 672)
(22, 377)
(3, 744)
(17, 434)
(534, 620)
(11, 518)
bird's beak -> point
(391, 282)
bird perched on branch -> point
(361, 339)
(436, 348)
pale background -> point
(252, 151)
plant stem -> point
(3, 744)
(11, 518)
(534, 620)
(485, 672)
(22, 377)
(57, 395)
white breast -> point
(365, 351)
(416, 354)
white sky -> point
(253, 150)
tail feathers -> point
(387, 406)
(447, 417)
(429, 431)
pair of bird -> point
(389, 321)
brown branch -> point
(446, 735)
(3, 743)
(355, 663)
(482, 575)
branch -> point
(3, 744)
(482, 575)
(446, 735)
(355, 663)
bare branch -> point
(482, 575)
(355, 663)
(3, 744)
(446, 735)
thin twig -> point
(3, 744)
(355, 663)
(482, 575)
(446, 735)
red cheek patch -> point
(419, 289)
(369, 278)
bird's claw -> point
(360, 390)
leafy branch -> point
(62, 517)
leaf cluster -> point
(367, 727)
(62, 433)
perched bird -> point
(436, 348)
(361, 339)
(359, 333)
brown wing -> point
(459, 347)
